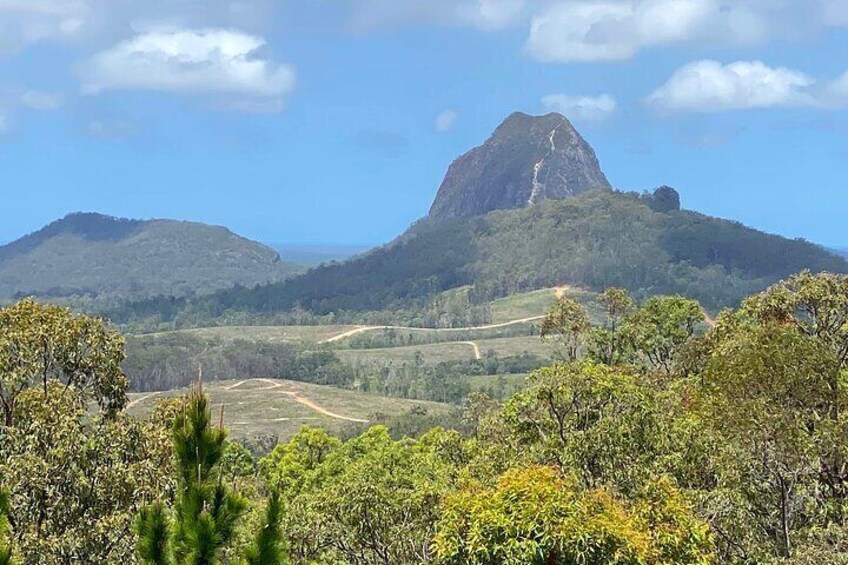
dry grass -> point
(536, 303)
(268, 334)
(280, 408)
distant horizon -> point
(325, 246)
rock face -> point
(526, 161)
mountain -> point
(93, 254)
(526, 161)
(571, 235)
(594, 240)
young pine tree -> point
(206, 511)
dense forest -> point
(643, 243)
(87, 258)
(649, 441)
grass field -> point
(258, 406)
(274, 407)
(448, 351)
(269, 334)
(537, 303)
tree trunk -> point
(784, 517)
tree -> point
(590, 420)
(817, 306)
(77, 479)
(5, 547)
(766, 394)
(206, 511)
(566, 324)
(661, 327)
(369, 501)
(536, 516)
(606, 343)
(40, 343)
(268, 547)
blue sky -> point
(333, 121)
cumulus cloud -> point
(581, 108)
(613, 30)
(445, 121)
(207, 61)
(706, 86)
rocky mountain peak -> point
(527, 160)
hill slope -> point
(100, 255)
(594, 240)
(526, 161)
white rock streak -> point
(538, 186)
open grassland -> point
(429, 354)
(538, 302)
(267, 334)
(256, 407)
(516, 315)
(448, 351)
(512, 346)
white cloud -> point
(38, 100)
(445, 121)
(23, 22)
(489, 15)
(190, 61)
(4, 123)
(706, 86)
(613, 30)
(27, 22)
(581, 108)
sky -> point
(328, 122)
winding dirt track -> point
(559, 292)
(364, 329)
(297, 397)
(477, 354)
(273, 386)
(140, 400)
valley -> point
(366, 350)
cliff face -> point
(526, 160)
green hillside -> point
(101, 256)
(594, 240)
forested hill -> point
(93, 254)
(594, 240)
